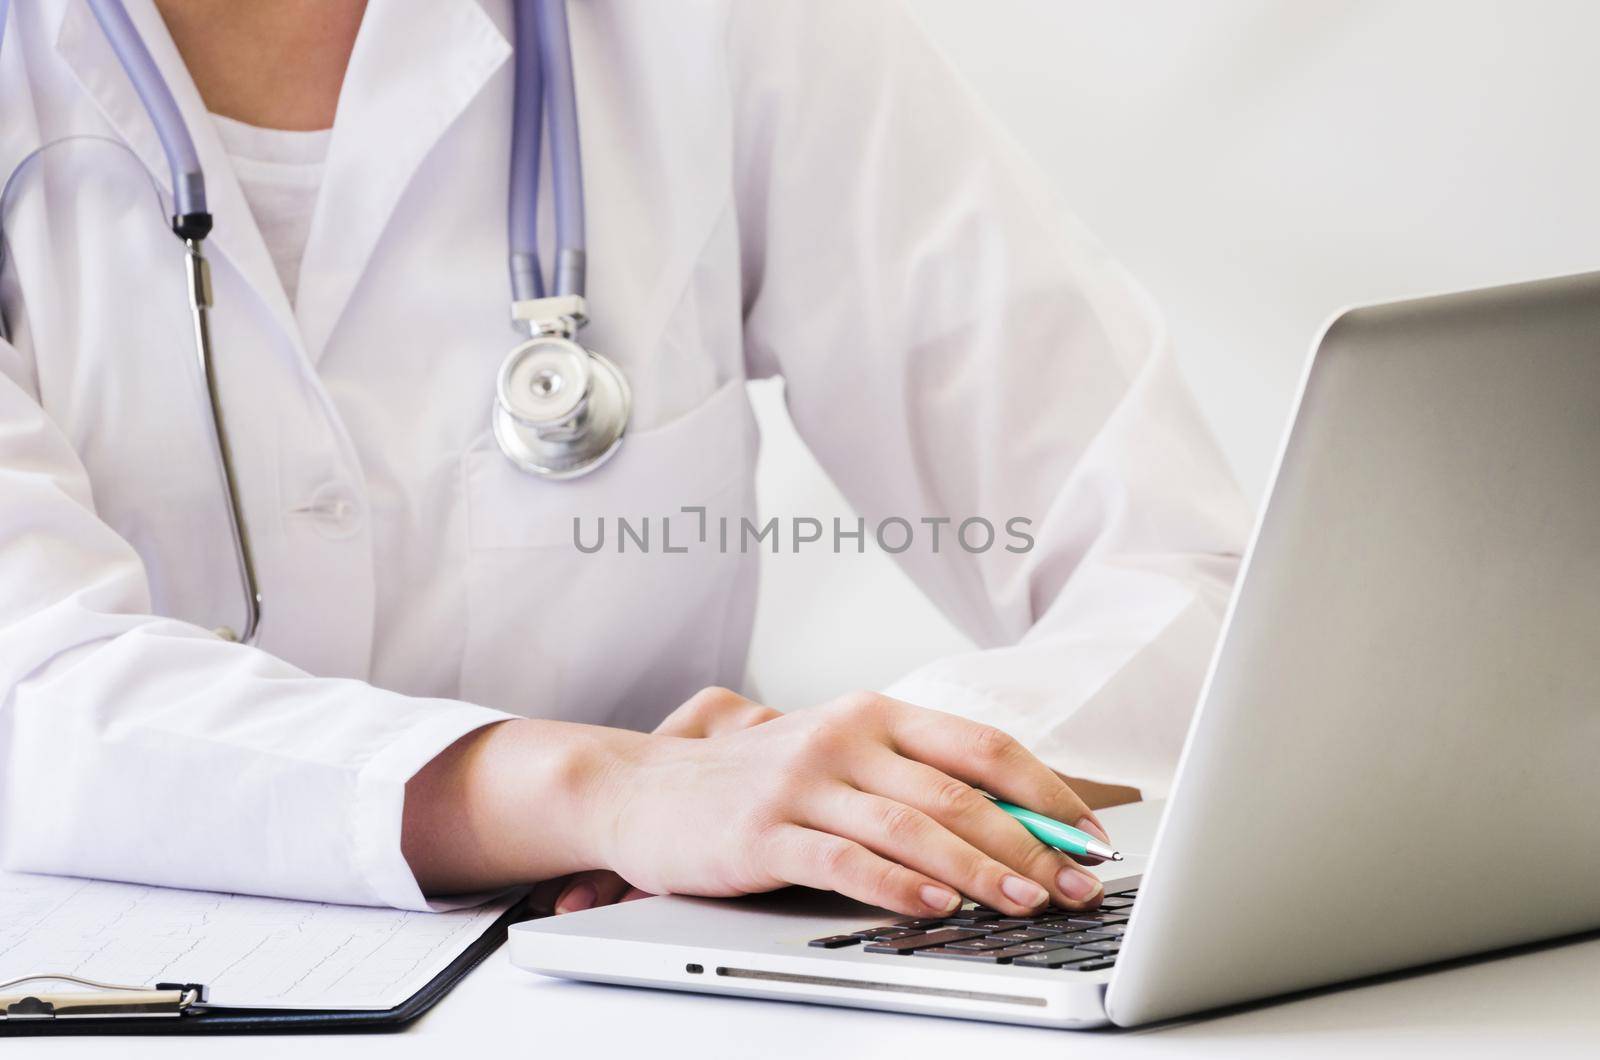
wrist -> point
(515, 802)
(557, 788)
(598, 779)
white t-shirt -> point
(280, 173)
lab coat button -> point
(332, 510)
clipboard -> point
(30, 1008)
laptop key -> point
(1106, 946)
(879, 934)
(1093, 966)
(1054, 958)
(1094, 920)
(1023, 935)
(955, 954)
(833, 942)
(1081, 935)
(979, 944)
(1113, 902)
(1002, 956)
(972, 916)
(911, 943)
(922, 924)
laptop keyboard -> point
(1055, 938)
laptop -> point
(1404, 707)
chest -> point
(393, 540)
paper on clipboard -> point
(248, 952)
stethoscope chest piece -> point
(560, 410)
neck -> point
(278, 64)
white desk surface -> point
(1544, 1003)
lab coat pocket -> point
(606, 598)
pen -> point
(1053, 833)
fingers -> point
(981, 826)
(714, 712)
(830, 862)
(545, 892)
(904, 833)
(744, 716)
(590, 890)
(987, 758)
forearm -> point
(525, 800)
(511, 803)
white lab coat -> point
(795, 188)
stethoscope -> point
(559, 409)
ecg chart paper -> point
(248, 952)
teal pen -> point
(1053, 833)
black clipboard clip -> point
(21, 1000)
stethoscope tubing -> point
(188, 180)
(554, 45)
(544, 92)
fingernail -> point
(581, 896)
(1024, 892)
(939, 899)
(1087, 825)
(1079, 886)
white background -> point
(1257, 164)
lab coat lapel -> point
(85, 50)
(416, 66)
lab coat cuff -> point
(380, 802)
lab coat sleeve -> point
(954, 345)
(138, 748)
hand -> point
(867, 796)
(711, 713)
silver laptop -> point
(1404, 708)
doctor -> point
(443, 693)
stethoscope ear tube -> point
(190, 218)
